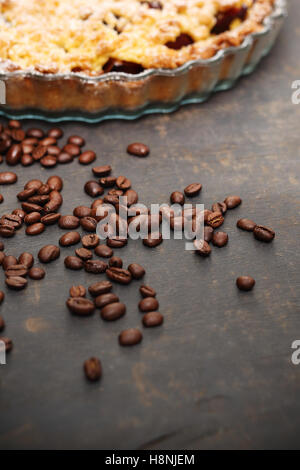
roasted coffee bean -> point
(56, 197)
(232, 202)
(202, 248)
(153, 240)
(89, 224)
(132, 197)
(123, 183)
(193, 189)
(27, 149)
(93, 189)
(26, 259)
(8, 261)
(115, 262)
(35, 229)
(32, 218)
(49, 161)
(152, 319)
(84, 253)
(138, 150)
(55, 183)
(114, 311)
(177, 198)
(8, 177)
(114, 199)
(137, 271)
(82, 211)
(53, 150)
(215, 219)
(76, 140)
(49, 253)
(7, 231)
(148, 304)
(77, 291)
(39, 152)
(30, 141)
(27, 160)
(14, 154)
(12, 220)
(50, 219)
(208, 233)
(18, 135)
(245, 283)
(2, 296)
(147, 291)
(106, 299)
(72, 149)
(130, 337)
(30, 207)
(108, 181)
(116, 242)
(73, 262)
(2, 323)
(220, 239)
(40, 200)
(90, 241)
(122, 276)
(35, 184)
(104, 251)
(95, 266)
(20, 213)
(16, 270)
(36, 273)
(68, 222)
(52, 206)
(100, 288)
(219, 207)
(36, 133)
(48, 142)
(87, 157)
(93, 369)
(55, 133)
(16, 283)
(246, 224)
(263, 234)
(64, 158)
(14, 124)
(101, 171)
(80, 306)
(25, 194)
(69, 238)
(8, 343)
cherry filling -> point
(181, 41)
(114, 65)
(224, 19)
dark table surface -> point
(218, 374)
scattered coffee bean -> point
(123, 183)
(114, 311)
(153, 240)
(245, 283)
(77, 291)
(26, 160)
(64, 158)
(104, 251)
(219, 207)
(8, 343)
(8, 177)
(7, 231)
(90, 241)
(263, 234)
(16, 270)
(16, 283)
(220, 239)
(12, 220)
(116, 242)
(148, 304)
(93, 369)
(69, 238)
(116, 262)
(48, 253)
(232, 202)
(84, 253)
(105, 299)
(72, 149)
(101, 171)
(55, 133)
(202, 248)
(108, 181)
(73, 262)
(50, 219)
(89, 224)
(26, 259)
(193, 189)
(55, 183)
(95, 266)
(138, 150)
(35, 183)
(35, 229)
(49, 161)
(76, 140)
(208, 233)
(8, 261)
(82, 211)
(87, 157)
(36, 133)
(246, 224)
(39, 152)
(36, 273)
(137, 271)
(147, 291)
(99, 288)
(68, 222)
(122, 276)
(30, 207)
(177, 198)
(215, 219)
(80, 306)
(152, 319)
(14, 154)
(130, 337)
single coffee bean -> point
(12, 220)
(104, 251)
(123, 183)
(245, 283)
(215, 219)
(72, 149)
(138, 150)
(8, 343)
(69, 238)
(35, 229)
(7, 231)
(26, 160)
(100, 288)
(137, 271)
(220, 239)
(246, 224)
(14, 124)
(68, 222)
(49, 161)
(80, 306)
(87, 157)
(93, 189)
(232, 202)
(36, 273)
(30, 141)
(16, 283)
(2, 323)
(55, 183)
(93, 369)
(152, 319)
(48, 253)
(64, 158)
(39, 152)
(90, 241)
(122, 276)
(208, 233)
(89, 224)
(147, 291)
(53, 150)
(18, 135)
(116, 242)
(105, 299)
(26, 259)
(39, 199)
(36, 133)
(101, 170)
(27, 149)
(73, 262)
(95, 266)
(130, 337)
(8, 261)
(116, 262)
(20, 213)
(35, 183)
(82, 211)
(202, 248)
(132, 197)
(108, 181)
(219, 207)
(50, 219)
(193, 189)
(148, 304)
(177, 198)
(77, 291)
(16, 270)
(55, 133)
(48, 142)
(76, 140)
(114, 311)
(263, 234)
(84, 253)
(30, 207)
(153, 240)
(26, 193)
(8, 177)
(14, 154)
(52, 206)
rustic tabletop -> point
(218, 373)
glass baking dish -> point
(118, 95)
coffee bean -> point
(123, 183)
(87, 157)
(68, 222)
(16, 283)
(177, 198)
(49, 161)
(80, 306)
(20, 213)
(39, 152)
(72, 149)
(220, 239)
(92, 369)
(115, 262)
(101, 170)
(40, 200)
(232, 202)
(7, 231)
(30, 207)
(153, 240)
(55, 133)
(48, 142)
(8, 343)
(263, 234)
(147, 291)
(26, 193)
(35, 229)
(49, 253)
(50, 219)
(208, 233)
(108, 181)
(2, 323)
(76, 140)
(219, 207)
(35, 183)
(14, 124)
(245, 283)
(193, 189)
(122, 276)
(130, 337)
(104, 251)
(36, 273)
(55, 183)
(73, 262)
(93, 189)
(14, 154)
(132, 197)
(137, 271)
(246, 224)
(106, 299)
(138, 150)
(99, 288)
(215, 219)
(148, 304)
(69, 238)
(12, 220)
(8, 261)
(26, 259)
(52, 206)
(152, 319)
(90, 241)
(53, 150)
(114, 311)
(89, 224)
(36, 133)
(64, 158)
(95, 266)
(82, 211)
(16, 270)
(8, 177)
(27, 149)
(18, 135)
(77, 291)
(202, 248)
(84, 254)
